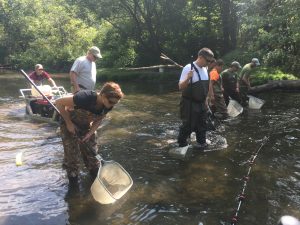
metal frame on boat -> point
(37, 107)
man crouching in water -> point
(194, 84)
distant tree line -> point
(135, 32)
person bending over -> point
(82, 114)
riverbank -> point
(137, 75)
(260, 76)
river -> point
(138, 133)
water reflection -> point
(138, 135)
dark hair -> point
(112, 90)
(219, 62)
(206, 52)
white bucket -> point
(255, 103)
(111, 184)
(45, 89)
(234, 108)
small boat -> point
(37, 107)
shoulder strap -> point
(197, 71)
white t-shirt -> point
(202, 71)
(86, 72)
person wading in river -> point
(216, 91)
(83, 71)
(194, 84)
(88, 110)
(230, 82)
(244, 79)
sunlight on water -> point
(138, 134)
(38, 185)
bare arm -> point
(96, 123)
(61, 105)
(74, 83)
(51, 81)
(246, 80)
(211, 95)
(184, 83)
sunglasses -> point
(111, 102)
(209, 60)
(41, 69)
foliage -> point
(135, 32)
(263, 75)
(43, 32)
(243, 57)
(129, 75)
(271, 29)
(116, 52)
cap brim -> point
(98, 56)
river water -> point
(138, 134)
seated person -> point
(39, 75)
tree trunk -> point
(225, 16)
(277, 84)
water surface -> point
(138, 134)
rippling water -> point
(138, 134)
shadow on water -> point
(138, 135)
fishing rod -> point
(241, 197)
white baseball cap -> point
(256, 61)
(96, 52)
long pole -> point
(34, 85)
(165, 57)
(45, 97)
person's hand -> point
(86, 137)
(190, 74)
(237, 89)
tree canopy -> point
(135, 32)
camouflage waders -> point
(220, 106)
(73, 149)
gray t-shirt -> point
(86, 72)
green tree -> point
(46, 32)
(271, 29)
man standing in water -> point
(230, 82)
(245, 84)
(194, 83)
(83, 71)
(216, 91)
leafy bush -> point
(262, 75)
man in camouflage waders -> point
(230, 82)
(244, 80)
(216, 91)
